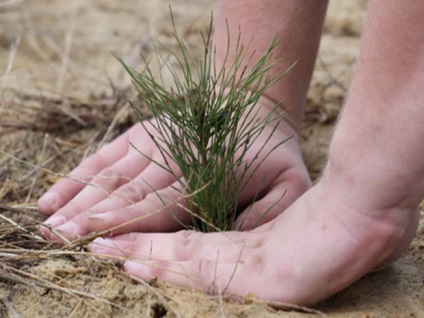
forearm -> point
(381, 126)
(296, 24)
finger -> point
(181, 246)
(204, 261)
(161, 210)
(283, 193)
(66, 189)
(212, 276)
(101, 186)
(151, 179)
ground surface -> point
(62, 94)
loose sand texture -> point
(63, 95)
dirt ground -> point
(63, 94)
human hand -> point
(120, 186)
(318, 246)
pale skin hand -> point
(130, 178)
(306, 254)
(360, 215)
(78, 209)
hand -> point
(317, 247)
(120, 186)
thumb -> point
(275, 202)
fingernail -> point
(98, 245)
(68, 229)
(132, 267)
(55, 221)
(50, 200)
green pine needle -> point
(207, 122)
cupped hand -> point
(120, 189)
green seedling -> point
(206, 122)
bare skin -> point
(129, 178)
(362, 213)
(130, 181)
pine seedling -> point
(207, 122)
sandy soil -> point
(63, 95)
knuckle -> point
(110, 178)
(152, 198)
(203, 268)
(187, 245)
(133, 192)
(166, 196)
(95, 161)
(256, 242)
(159, 268)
